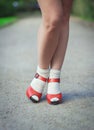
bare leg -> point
(48, 39)
(54, 95)
(50, 29)
(49, 48)
(59, 54)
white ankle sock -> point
(37, 84)
(54, 87)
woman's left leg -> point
(58, 57)
(54, 93)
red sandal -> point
(31, 92)
(50, 96)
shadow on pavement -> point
(76, 96)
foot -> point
(34, 91)
(54, 95)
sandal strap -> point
(54, 80)
(40, 77)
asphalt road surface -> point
(18, 62)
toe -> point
(54, 99)
(34, 98)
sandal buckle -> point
(36, 75)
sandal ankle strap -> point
(40, 77)
(54, 80)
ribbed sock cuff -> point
(55, 73)
(43, 72)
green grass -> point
(7, 20)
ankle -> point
(54, 82)
(55, 73)
(43, 72)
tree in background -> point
(6, 8)
(10, 7)
(83, 8)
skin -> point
(53, 33)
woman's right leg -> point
(49, 32)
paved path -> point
(18, 59)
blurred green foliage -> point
(6, 8)
(11, 7)
(83, 8)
